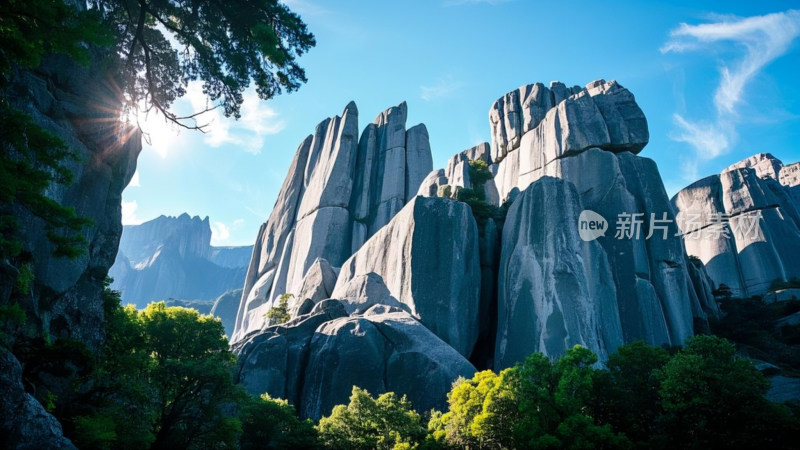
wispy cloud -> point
(443, 88)
(763, 39)
(129, 213)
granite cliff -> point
(392, 278)
(80, 105)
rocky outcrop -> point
(24, 423)
(620, 288)
(555, 289)
(426, 259)
(457, 175)
(315, 359)
(172, 257)
(743, 224)
(339, 191)
(80, 105)
(426, 287)
(534, 126)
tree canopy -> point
(165, 44)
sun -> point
(158, 133)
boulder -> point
(379, 352)
(24, 423)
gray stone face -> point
(427, 257)
(316, 359)
(379, 352)
(456, 174)
(317, 285)
(603, 115)
(419, 160)
(63, 97)
(24, 423)
(555, 290)
(743, 224)
(339, 191)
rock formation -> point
(426, 287)
(744, 224)
(172, 257)
(630, 288)
(79, 104)
(339, 191)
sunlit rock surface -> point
(340, 190)
(744, 224)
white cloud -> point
(134, 180)
(443, 88)
(220, 232)
(258, 120)
(129, 213)
(763, 39)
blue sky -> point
(717, 80)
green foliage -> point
(751, 324)
(536, 404)
(24, 279)
(628, 393)
(224, 44)
(387, 422)
(96, 431)
(475, 196)
(711, 396)
(280, 314)
(30, 29)
(700, 397)
(268, 423)
(163, 380)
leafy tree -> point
(164, 380)
(224, 44)
(268, 423)
(387, 422)
(280, 314)
(628, 395)
(711, 396)
(536, 404)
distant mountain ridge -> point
(172, 258)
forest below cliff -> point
(164, 379)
